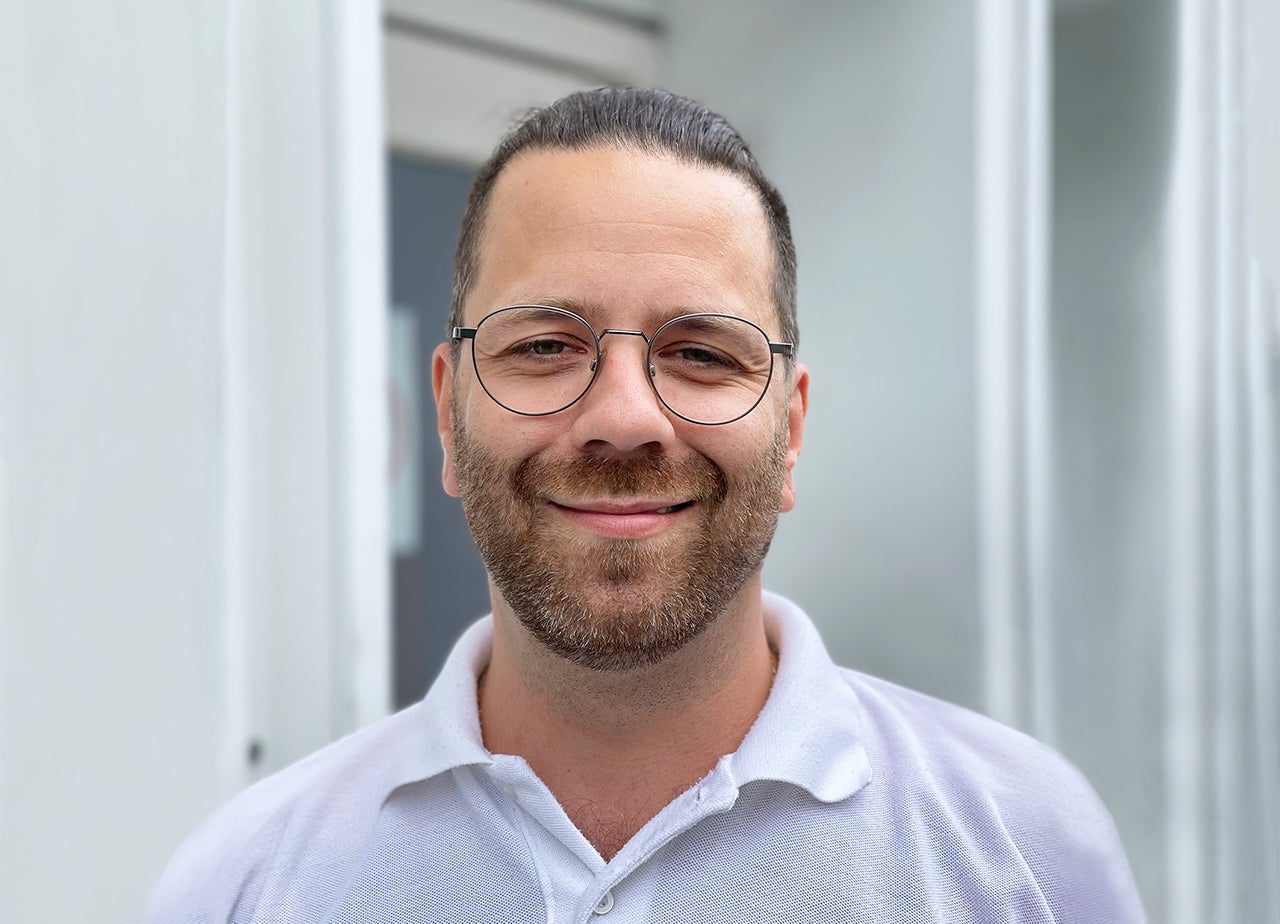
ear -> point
(797, 406)
(442, 385)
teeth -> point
(665, 510)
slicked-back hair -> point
(647, 121)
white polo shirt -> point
(850, 799)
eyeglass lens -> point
(706, 368)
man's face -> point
(614, 530)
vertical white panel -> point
(357, 250)
(1260, 27)
(1035, 224)
(305, 585)
(278, 373)
(110, 663)
(1187, 287)
(1263, 357)
(235, 499)
(1229, 465)
(1011, 319)
(1261, 34)
(996, 307)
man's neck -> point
(615, 747)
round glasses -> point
(709, 369)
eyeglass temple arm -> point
(464, 333)
(782, 349)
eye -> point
(696, 354)
(545, 347)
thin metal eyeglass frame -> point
(775, 349)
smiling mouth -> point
(624, 509)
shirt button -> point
(606, 904)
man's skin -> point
(628, 240)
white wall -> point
(863, 115)
(1143, 562)
(110, 654)
(188, 231)
(1114, 110)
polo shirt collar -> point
(446, 723)
(808, 734)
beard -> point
(607, 603)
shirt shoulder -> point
(938, 735)
(275, 825)
(945, 764)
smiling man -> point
(640, 731)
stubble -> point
(617, 604)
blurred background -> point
(1039, 252)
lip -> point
(624, 519)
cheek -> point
(502, 436)
(751, 455)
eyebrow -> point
(577, 306)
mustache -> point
(593, 476)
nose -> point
(620, 412)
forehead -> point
(617, 232)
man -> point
(640, 732)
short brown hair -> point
(645, 120)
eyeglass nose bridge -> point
(601, 351)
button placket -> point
(605, 905)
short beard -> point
(617, 604)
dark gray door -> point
(438, 582)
